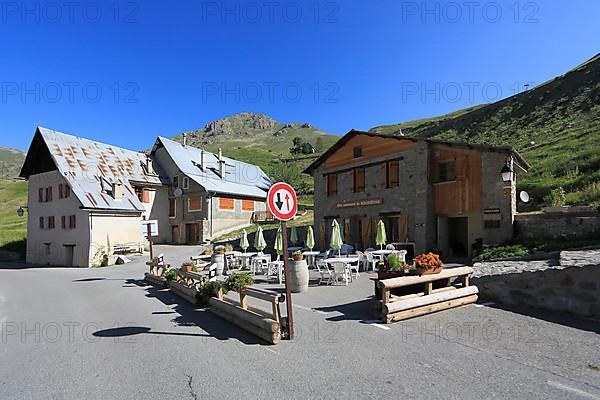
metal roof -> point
(240, 179)
(92, 167)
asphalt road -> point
(104, 334)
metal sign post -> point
(283, 204)
(149, 233)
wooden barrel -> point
(299, 276)
(218, 259)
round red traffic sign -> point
(282, 201)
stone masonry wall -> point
(557, 226)
(568, 284)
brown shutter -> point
(49, 193)
(145, 196)
(60, 190)
(63, 222)
(383, 174)
(41, 222)
(40, 195)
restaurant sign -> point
(360, 203)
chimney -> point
(221, 165)
(117, 190)
(183, 139)
(202, 160)
(149, 166)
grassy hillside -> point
(10, 162)
(13, 229)
(556, 126)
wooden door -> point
(175, 234)
(192, 234)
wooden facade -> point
(371, 148)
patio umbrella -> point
(381, 235)
(279, 242)
(310, 238)
(294, 235)
(342, 232)
(336, 237)
(259, 240)
(244, 241)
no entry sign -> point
(282, 201)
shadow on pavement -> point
(360, 310)
(139, 330)
(190, 316)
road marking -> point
(489, 303)
(309, 309)
(272, 351)
(572, 390)
(376, 324)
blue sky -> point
(124, 72)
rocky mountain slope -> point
(11, 161)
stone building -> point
(447, 196)
(87, 198)
(207, 194)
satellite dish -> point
(178, 192)
(524, 196)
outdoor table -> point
(311, 256)
(279, 265)
(295, 248)
(245, 257)
(382, 252)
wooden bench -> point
(185, 285)
(126, 248)
(266, 325)
(435, 292)
(156, 276)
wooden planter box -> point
(155, 280)
(185, 292)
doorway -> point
(458, 237)
(174, 234)
(69, 254)
(192, 234)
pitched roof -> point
(240, 179)
(481, 147)
(90, 168)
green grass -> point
(519, 249)
(13, 229)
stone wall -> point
(568, 284)
(558, 226)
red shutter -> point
(40, 195)
(49, 193)
(72, 222)
(60, 190)
(63, 222)
(51, 222)
(67, 191)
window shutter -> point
(41, 222)
(40, 195)
(383, 173)
(67, 191)
(49, 193)
(60, 190)
(247, 205)
(51, 222)
(63, 222)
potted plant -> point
(393, 267)
(428, 263)
(208, 250)
(297, 255)
(220, 249)
(188, 266)
(237, 281)
(170, 275)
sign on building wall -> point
(360, 203)
(492, 218)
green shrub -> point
(170, 275)
(206, 290)
(395, 263)
(501, 252)
(238, 280)
(556, 197)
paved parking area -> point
(103, 333)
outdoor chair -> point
(341, 271)
(362, 261)
(325, 272)
(354, 266)
(390, 247)
(370, 261)
(260, 263)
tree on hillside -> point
(300, 146)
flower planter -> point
(425, 271)
(298, 258)
(389, 275)
(187, 268)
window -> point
(358, 180)
(446, 171)
(186, 182)
(41, 222)
(172, 203)
(72, 222)
(247, 205)
(357, 152)
(392, 174)
(226, 203)
(64, 191)
(45, 194)
(143, 195)
(331, 184)
(195, 203)
(63, 222)
(176, 181)
(40, 195)
(51, 222)
(49, 193)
